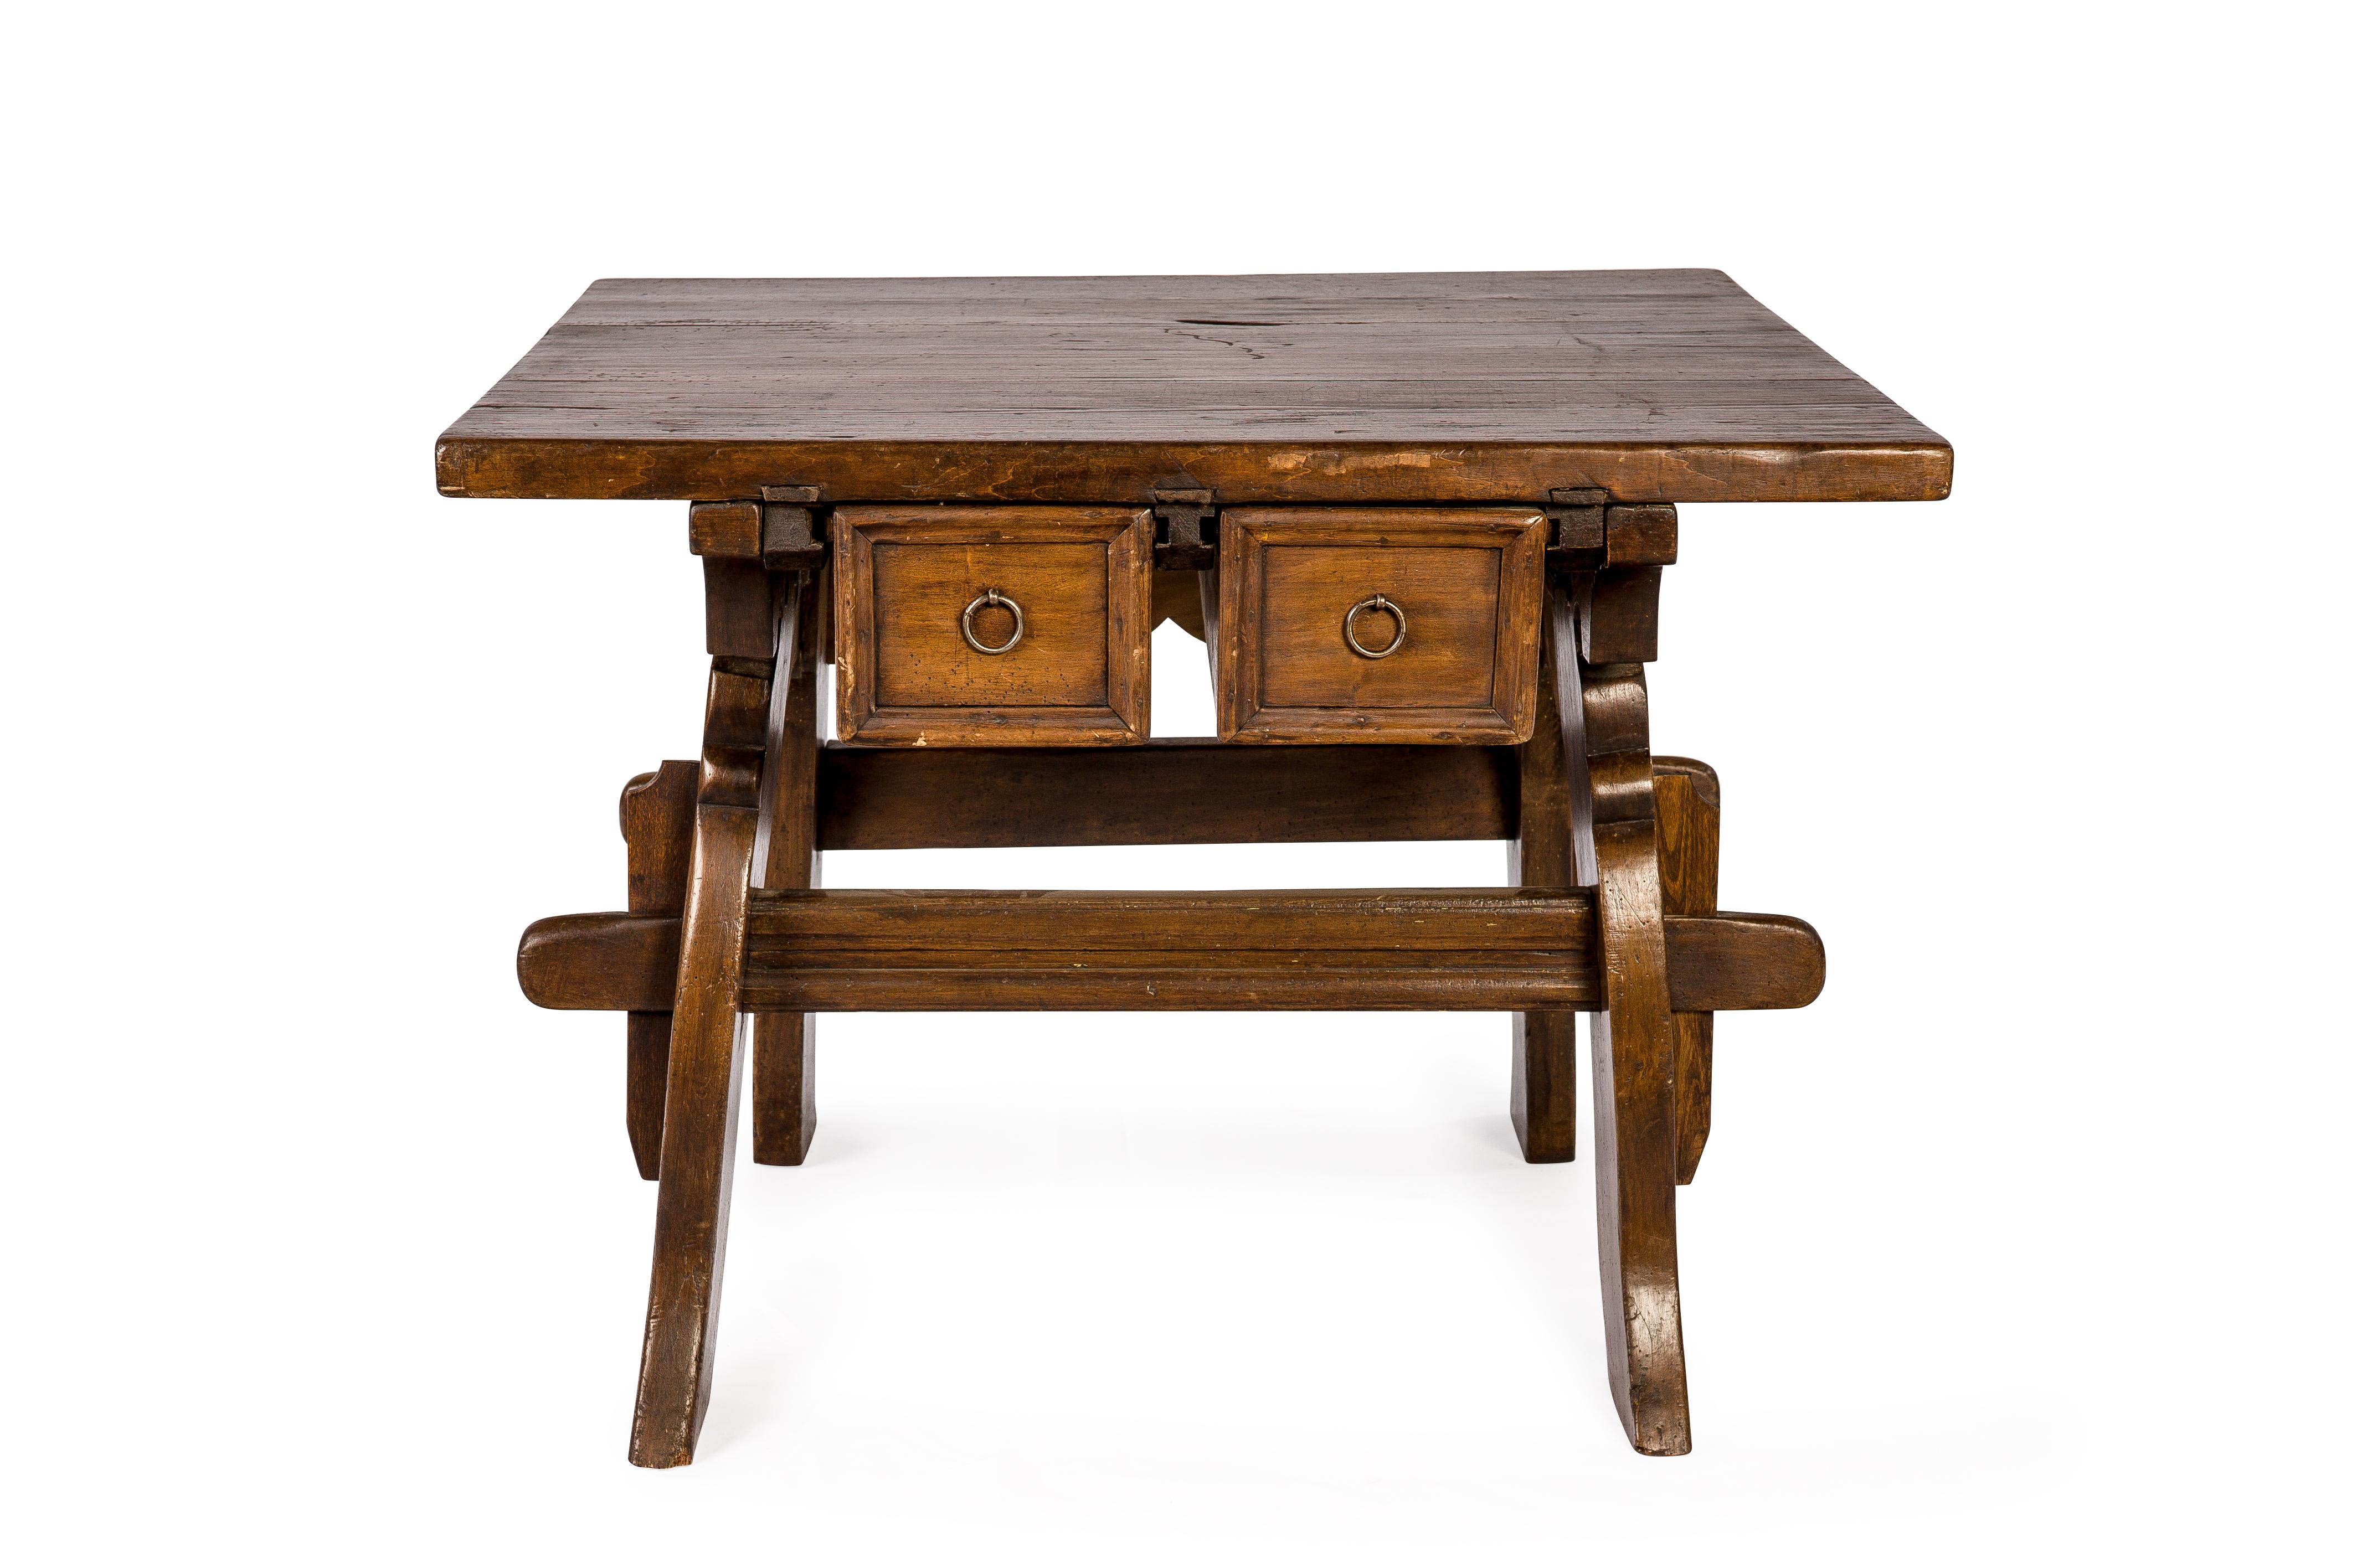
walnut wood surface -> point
(1543, 1084)
(731, 529)
(1181, 791)
(785, 1045)
(1420, 950)
(739, 614)
(1620, 616)
(1667, 385)
(615, 962)
(699, 1132)
(1177, 598)
(1685, 801)
(1631, 1039)
(659, 832)
(905, 672)
(1428, 920)
(1467, 580)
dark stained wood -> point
(1300, 444)
(1670, 385)
(1543, 1085)
(1181, 791)
(646, 1076)
(1640, 536)
(728, 529)
(1728, 963)
(658, 830)
(739, 607)
(1685, 800)
(1425, 920)
(869, 951)
(1188, 536)
(707, 1060)
(601, 964)
(1631, 1039)
(1077, 676)
(1178, 597)
(811, 956)
(1467, 581)
(785, 1045)
(1093, 981)
(1578, 540)
(790, 539)
(1620, 616)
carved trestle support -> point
(702, 1087)
(1598, 810)
(1603, 619)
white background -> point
(2028, 1240)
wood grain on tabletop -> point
(1652, 385)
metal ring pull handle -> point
(1399, 624)
(991, 597)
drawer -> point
(1365, 624)
(999, 626)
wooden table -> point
(1420, 521)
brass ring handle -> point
(1399, 624)
(991, 597)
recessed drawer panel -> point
(1009, 625)
(1379, 625)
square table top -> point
(1652, 386)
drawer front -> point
(999, 626)
(1414, 625)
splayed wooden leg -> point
(1632, 1039)
(699, 1138)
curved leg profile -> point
(1607, 747)
(699, 1126)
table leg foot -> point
(1633, 1041)
(1542, 1088)
(785, 1099)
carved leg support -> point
(785, 1045)
(1686, 797)
(1614, 842)
(1543, 1096)
(700, 1105)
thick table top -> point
(1672, 385)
